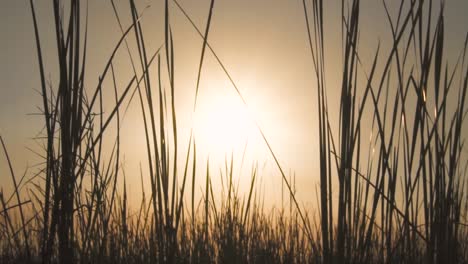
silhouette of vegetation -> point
(403, 200)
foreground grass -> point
(403, 201)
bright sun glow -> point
(223, 124)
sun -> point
(222, 123)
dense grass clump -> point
(399, 198)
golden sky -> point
(263, 44)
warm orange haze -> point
(214, 131)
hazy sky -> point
(263, 43)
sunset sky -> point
(262, 43)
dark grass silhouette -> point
(402, 201)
